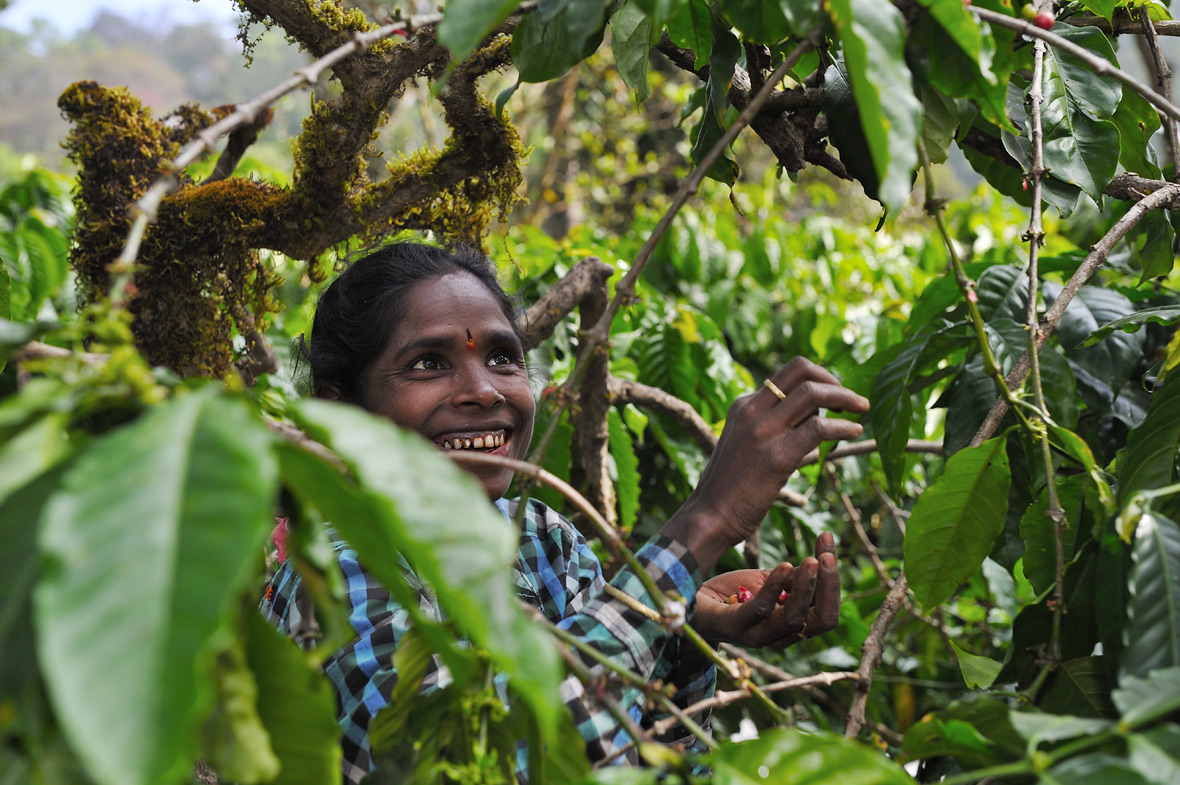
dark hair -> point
(358, 312)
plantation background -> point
(1039, 637)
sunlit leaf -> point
(1156, 753)
(778, 756)
(1039, 728)
(979, 672)
(954, 523)
(1153, 630)
(873, 37)
(458, 544)
(150, 552)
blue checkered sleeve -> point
(557, 572)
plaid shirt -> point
(555, 572)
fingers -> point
(827, 596)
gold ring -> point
(782, 396)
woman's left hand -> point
(812, 606)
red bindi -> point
(470, 342)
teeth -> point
(477, 442)
(488, 441)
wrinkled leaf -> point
(1153, 630)
(1111, 360)
(149, 551)
(1137, 121)
(1133, 322)
(954, 523)
(631, 39)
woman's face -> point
(454, 371)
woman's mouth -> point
(486, 440)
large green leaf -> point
(954, 523)
(296, 705)
(892, 409)
(438, 518)
(1144, 700)
(1153, 630)
(1151, 245)
(466, 22)
(1156, 754)
(1111, 362)
(845, 130)
(1080, 687)
(1003, 293)
(1095, 769)
(1146, 461)
(150, 540)
(1133, 322)
(1038, 532)
(873, 36)
(544, 50)
(626, 471)
(1081, 145)
(780, 756)
(690, 27)
(631, 40)
(1137, 122)
(977, 732)
(234, 741)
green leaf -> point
(1096, 769)
(1103, 8)
(1115, 358)
(1003, 293)
(1137, 122)
(626, 471)
(1080, 144)
(892, 409)
(690, 27)
(940, 120)
(1145, 463)
(658, 11)
(979, 672)
(33, 450)
(977, 732)
(954, 523)
(1156, 754)
(873, 36)
(296, 704)
(704, 136)
(1153, 630)
(763, 21)
(14, 335)
(845, 130)
(544, 50)
(1038, 532)
(631, 39)
(5, 296)
(438, 518)
(144, 567)
(724, 54)
(1133, 322)
(1145, 700)
(1080, 687)
(779, 756)
(466, 22)
(1154, 253)
(1039, 728)
(234, 742)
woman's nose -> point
(477, 387)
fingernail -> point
(827, 561)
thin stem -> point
(871, 652)
(1163, 80)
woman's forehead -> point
(452, 302)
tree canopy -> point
(713, 187)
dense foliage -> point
(1039, 637)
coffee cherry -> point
(744, 594)
(1029, 12)
(1044, 20)
(782, 597)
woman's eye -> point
(501, 358)
(425, 364)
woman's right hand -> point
(764, 442)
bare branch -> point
(870, 446)
(542, 317)
(35, 350)
(1123, 25)
(1163, 80)
(871, 651)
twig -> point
(898, 515)
(871, 651)
(1098, 254)
(559, 300)
(35, 350)
(855, 518)
(869, 446)
(1123, 25)
(732, 696)
(1098, 65)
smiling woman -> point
(427, 338)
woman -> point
(427, 338)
